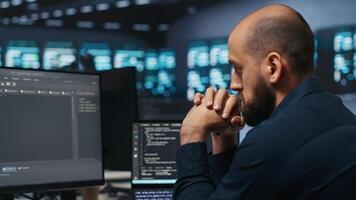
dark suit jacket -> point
(305, 150)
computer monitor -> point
(336, 65)
(119, 102)
(101, 53)
(207, 66)
(1, 63)
(50, 130)
(57, 55)
(154, 146)
(22, 54)
(198, 67)
(166, 77)
(220, 71)
(151, 73)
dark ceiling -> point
(149, 19)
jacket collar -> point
(308, 86)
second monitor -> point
(154, 146)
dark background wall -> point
(75, 35)
(219, 20)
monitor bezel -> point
(62, 185)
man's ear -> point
(274, 67)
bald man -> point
(303, 144)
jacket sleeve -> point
(251, 174)
(220, 164)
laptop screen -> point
(154, 152)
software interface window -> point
(50, 127)
(154, 150)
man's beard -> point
(261, 106)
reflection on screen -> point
(101, 53)
(58, 55)
(20, 53)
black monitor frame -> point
(64, 185)
(116, 135)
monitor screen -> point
(336, 67)
(198, 54)
(166, 77)
(50, 129)
(159, 74)
(129, 58)
(219, 74)
(154, 146)
(355, 39)
(156, 70)
(1, 64)
(219, 53)
(57, 55)
(151, 73)
(198, 67)
(22, 53)
(207, 66)
(101, 53)
(167, 59)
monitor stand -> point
(6, 196)
(68, 195)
